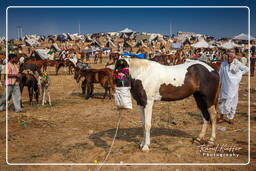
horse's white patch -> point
(153, 74)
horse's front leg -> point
(83, 86)
(92, 89)
(37, 96)
(147, 124)
(49, 97)
(106, 92)
(21, 90)
(43, 94)
(88, 87)
(57, 69)
(30, 91)
(142, 115)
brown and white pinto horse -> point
(152, 81)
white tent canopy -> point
(43, 53)
(32, 42)
(2, 39)
(201, 44)
(126, 30)
(111, 44)
(229, 45)
(242, 36)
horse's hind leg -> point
(92, 88)
(57, 69)
(206, 116)
(213, 115)
(83, 86)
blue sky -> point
(216, 22)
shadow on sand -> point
(131, 134)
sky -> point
(218, 22)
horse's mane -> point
(139, 63)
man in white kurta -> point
(231, 73)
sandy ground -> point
(75, 130)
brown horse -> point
(30, 81)
(169, 59)
(114, 56)
(64, 63)
(102, 76)
(162, 59)
(98, 56)
(39, 63)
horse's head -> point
(121, 63)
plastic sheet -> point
(123, 97)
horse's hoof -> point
(142, 144)
(210, 142)
(145, 148)
(198, 141)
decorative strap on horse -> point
(121, 74)
(45, 75)
(28, 71)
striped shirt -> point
(13, 70)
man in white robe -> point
(231, 72)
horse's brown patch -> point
(138, 92)
(170, 92)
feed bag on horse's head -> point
(122, 80)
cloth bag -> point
(123, 98)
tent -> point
(75, 36)
(110, 44)
(126, 33)
(126, 44)
(186, 42)
(95, 44)
(91, 50)
(201, 44)
(242, 36)
(140, 44)
(44, 54)
(2, 39)
(126, 30)
(176, 46)
(229, 45)
(56, 47)
(62, 37)
(32, 42)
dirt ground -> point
(76, 130)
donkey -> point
(152, 81)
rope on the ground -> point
(113, 141)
